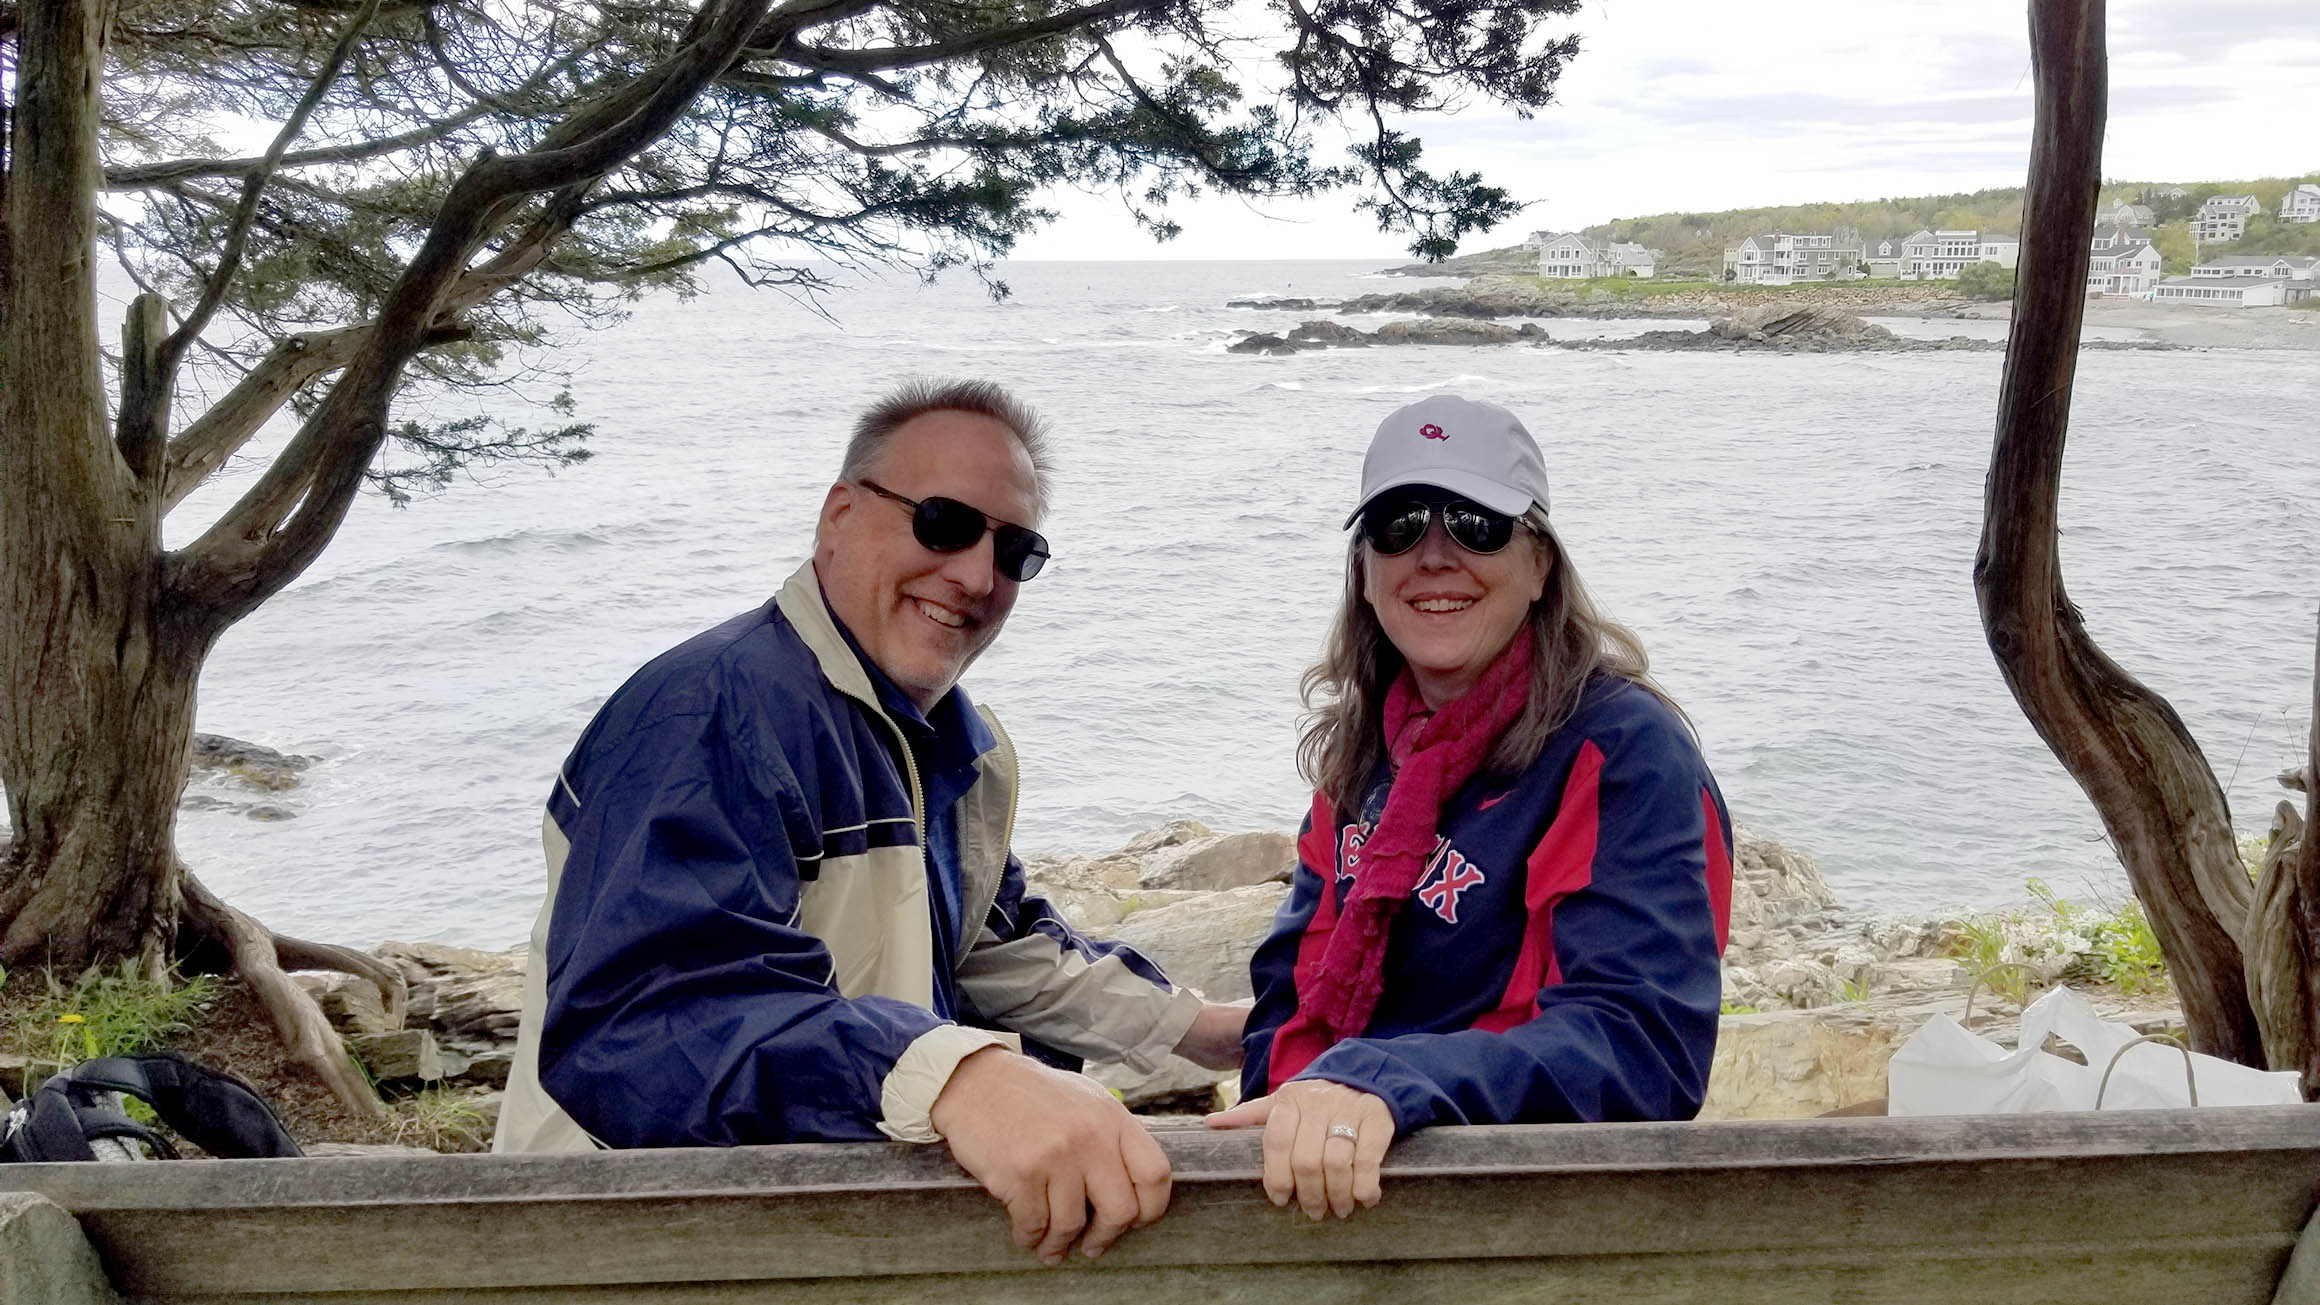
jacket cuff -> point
(921, 1073)
(1148, 1055)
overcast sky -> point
(1692, 105)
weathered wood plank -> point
(2128, 1278)
(2208, 1202)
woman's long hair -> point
(1345, 692)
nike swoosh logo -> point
(1489, 802)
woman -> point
(1514, 884)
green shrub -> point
(2060, 941)
(1986, 281)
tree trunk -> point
(98, 699)
(2307, 930)
(94, 771)
(2123, 743)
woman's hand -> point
(1323, 1144)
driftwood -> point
(2124, 744)
(2160, 1205)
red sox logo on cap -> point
(1433, 432)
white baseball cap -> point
(1473, 449)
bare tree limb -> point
(253, 187)
(145, 385)
(394, 991)
(284, 520)
(2123, 743)
(146, 176)
(997, 38)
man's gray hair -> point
(916, 398)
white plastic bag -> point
(1945, 1070)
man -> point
(781, 903)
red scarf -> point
(1433, 760)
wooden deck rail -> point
(2196, 1206)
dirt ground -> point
(231, 1033)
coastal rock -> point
(1825, 326)
(462, 991)
(1225, 861)
(259, 767)
(1483, 297)
(1329, 333)
(1284, 302)
(1436, 330)
(1787, 1064)
(1205, 941)
(1159, 868)
(406, 1055)
(1259, 342)
(2297, 779)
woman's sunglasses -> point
(1396, 526)
(945, 525)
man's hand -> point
(1062, 1154)
(1308, 1153)
(1214, 1040)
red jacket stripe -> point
(1562, 864)
(1719, 872)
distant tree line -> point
(1693, 244)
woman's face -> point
(1449, 612)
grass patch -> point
(104, 1012)
(440, 1119)
(2060, 941)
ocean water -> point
(1792, 536)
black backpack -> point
(213, 1110)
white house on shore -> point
(2224, 218)
(1785, 258)
(2123, 214)
(2301, 204)
(2232, 291)
(1571, 256)
(1941, 255)
(2284, 266)
(2122, 270)
(1882, 258)
(2113, 237)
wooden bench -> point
(2127, 1208)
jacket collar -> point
(800, 600)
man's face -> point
(924, 616)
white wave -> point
(1463, 378)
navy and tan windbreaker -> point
(1559, 958)
(738, 945)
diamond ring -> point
(1346, 1131)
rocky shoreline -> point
(1825, 319)
(1817, 996)
(1769, 328)
(1512, 296)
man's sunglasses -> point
(945, 525)
(1396, 526)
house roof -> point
(2227, 283)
